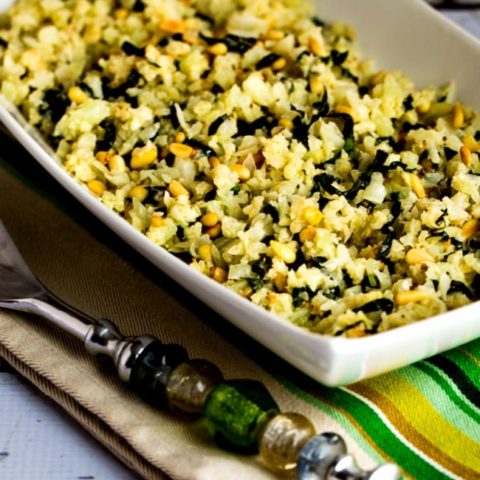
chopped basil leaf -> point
(205, 149)
(216, 124)
(459, 287)
(339, 58)
(267, 61)
(449, 153)
(131, 49)
(408, 103)
(318, 21)
(380, 305)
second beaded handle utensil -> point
(241, 415)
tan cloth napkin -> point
(72, 262)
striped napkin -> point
(425, 417)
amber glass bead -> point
(283, 438)
(235, 413)
(190, 384)
(152, 369)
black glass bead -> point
(152, 370)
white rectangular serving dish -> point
(407, 35)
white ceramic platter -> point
(405, 34)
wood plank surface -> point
(38, 441)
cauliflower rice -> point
(251, 140)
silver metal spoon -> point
(145, 363)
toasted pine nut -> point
(246, 292)
(192, 40)
(172, 26)
(417, 186)
(280, 281)
(415, 183)
(458, 116)
(77, 95)
(415, 256)
(144, 157)
(286, 123)
(121, 13)
(471, 228)
(139, 192)
(241, 170)
(345, 109)
(279, 64)
(218, 49)
(308, 234)
(283, 251)
(312, 215)
(424, 108)
(176, 189)
(410, 296)
(466, 155)
(214, 162)
(220, 275)
(103, 157)
(215, 231)
(470, 142)
(205, 252)
(316, 85)
(210, 219)
(157, 221)
(180, 137)
(274, 35)
(315, 46)
(97, 187)
(181, 150)
(407, 179)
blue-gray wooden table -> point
(40, 442)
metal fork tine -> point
(11, 258)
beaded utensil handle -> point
(241, 415)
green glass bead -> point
(236, 412)
(282, 439)
(190, 384)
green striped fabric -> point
(425, 417)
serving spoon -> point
(325, 458)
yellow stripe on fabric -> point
(413, 416)
(416, 409)
(441, 401)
